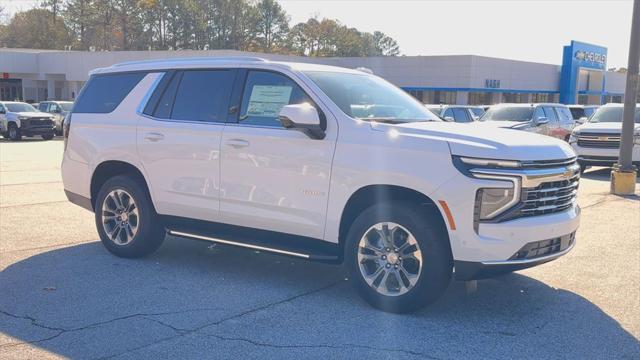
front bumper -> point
(38, 130)
(550, 249)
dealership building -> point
(38, 75)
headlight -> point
(490, 162)
(573, 137)
(491, 202)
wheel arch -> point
(110, 168)
(376, 194)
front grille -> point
(37, 122)
(549, 197)
(542, 164)
(542, 248)
(599, 140)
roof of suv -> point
(222, 61)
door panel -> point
(273, 178)
(179, 143)
(276, 180)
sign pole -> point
(623, 177)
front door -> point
(273, 178)
(179, 142)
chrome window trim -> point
(150, 91)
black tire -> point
(47, 136)
(14, 132)
(150, 233)
(434, 245)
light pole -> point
(623, 177)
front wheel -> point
(126, 220)
(14, 132)
(398, 257)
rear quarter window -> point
(103, 93)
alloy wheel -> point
(120, 217)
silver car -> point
(59, 109)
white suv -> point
(316, 162)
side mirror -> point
(302, 117)
(449, 118)
(582, 120)
(3, 111)
(542, 121)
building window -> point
(583, 99)
(444, 97)
(514, 98)
(541, 98)
(479, 98)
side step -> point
(277, 243)
(239, 244)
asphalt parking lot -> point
(63, 295)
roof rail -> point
(187, 59)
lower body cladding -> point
(601, 156)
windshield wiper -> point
(386, 120)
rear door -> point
(565, 119)
(179, 141)
(554, 125)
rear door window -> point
(448, 114)
(103, 93)
(264, 95)
(44, 107)
(550, 114)
(564, 115)
(203, 95)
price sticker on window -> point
(267, 100)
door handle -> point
(153, 136)
(237, 143)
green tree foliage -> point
(248, 25)
(36, 28)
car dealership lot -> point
(63, 295)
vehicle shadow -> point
(26, 140)
(600, 173)
(188, 298)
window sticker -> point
(267, 100)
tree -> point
(385, 45)
(80, 17)
(273, 25)
(36, 28)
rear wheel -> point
(126, 220)
(398, 259)
(14, 132)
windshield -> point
(66, 106)
(19, 107)
(367, 97)
(611, 114)
(502, 113)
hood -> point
(503, 124)
(489, 142)
(605, 127)
(31, 114)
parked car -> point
(546, 119)
(457, 113)
(246, 152)
(581, 113)
(597, 142)
(18, 119)
(59, 109)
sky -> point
(529, 30)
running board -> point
(233, 243)
(300, 247)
